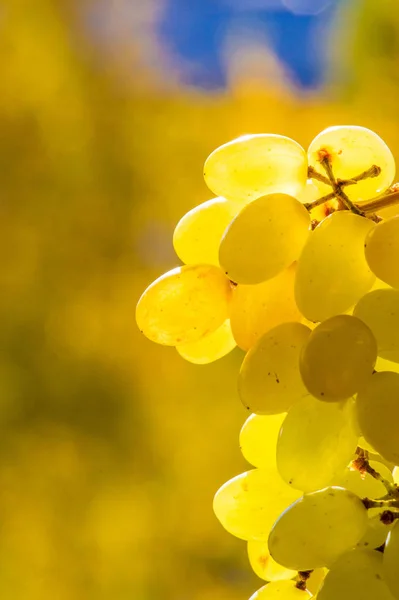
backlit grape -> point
(382, 251)
(209, 348)
(258, 439)
(264, 565)
(281, 590)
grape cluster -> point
(291, 263)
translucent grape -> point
(376, 532)
(316, 440)
(382, 251)
(184, 304)
(364, 486)
(253, 165)
(264, 238)
(338, 358)
(197, 236)
(211, 347)
(378, 413)
(264, 566)
(281, 590)
(380, 311)
(254, 309)
(315, 581)
(248, 504)
(356, 575)
(391, 561)
(353, 150)
(315, 530)
(395, 474)
(332, 271)
(269, 381)
(258, 439)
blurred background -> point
(111, 447)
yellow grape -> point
(211, 347)
(364, 486)
(265, 238)
(281, 590)
(332, 272)
(382, 251)
(269, 381)
(380, 311)
(356, 575)
(338, 358)
(378, 413)
(264, 566)
(311, 193)
(248, 504)
(197, 236)
(376, 532)
(253, 165)
(316, 441)
(317, 529)
(364, 444)
(395, 474)
(184, 304)
(258, 439)
(353, 150)
(315, 581)
(391, 561)
(254, 309)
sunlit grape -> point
(264, 565)
(209, 348)
(356, 575)
(258, 439)
(281, 590)
(254, 309)
(253, 165)
(248, 504)
(184, 304)
(197, 236)
(376, 532)
(269, 381)
(338, 358)
(317, 439)
(264, 238)
(380, 311)
(353, 150)
(364, 486)
(382, 251)
(332, 272)
(317, 529)
(315, 581)
(378, 413)
(391, 561)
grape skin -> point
(254, 165)
(391, 560)
(264, 566)
(382, 251)
(281, 590)
(209, 348)
(258, 439)
(265, 238)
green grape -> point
(254, 309)
(382, 251)
(376, 532)
(332, 272)
(380, 311)
(258, 439)
(315, 530)
(364, 486)
(363, 443)
(377, 409)
(253, 165)
(269, 381)
(338, 358)
(316, 440)
(353, 150)
(197, 236)
(281, 590)
(248, 504)
(265, 238)
(264, 566)
(315, 581)
(184, 304)
(356, 575)
(395, 475)
(391, 561)
(211, 347)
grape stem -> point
(361, 464)
(302, 578)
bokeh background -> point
(111, 447)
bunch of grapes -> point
(292, 263)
